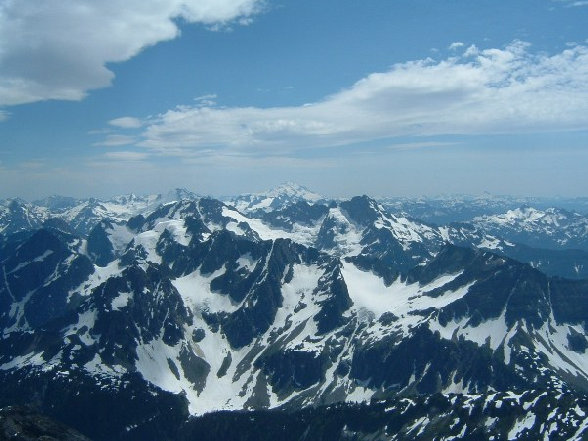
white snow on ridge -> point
(98, 368)
(226, 392)
(197, 295)
(299, 290)
(99, 276)
(40, 258)
(522, 424)
(405, 230)
(300, 234)
(148, 239)
(235, 228)
(121, 301)
(83, 327)
(347, 235)
(246, 261)
(264, 232)
(492, 331)
(490, 243)
(152, 362)
(551, 340)
(555, 345)
(368, 291)
(30, 359)
(561, 226)
(119, 236)
(177, 229)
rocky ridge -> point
(204, 308)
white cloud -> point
(58, 49)
(126, 122)
(455, 45)
(510, 90)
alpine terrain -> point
(286, 315)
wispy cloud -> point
(573, 3)
(126, 123)
(419, 145)
(206, 100)
(479, 91)
(34, 164)
(58, 49)
(126, 156)
(117, 140)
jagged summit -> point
(82, 214)
(194, 306)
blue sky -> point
(384, 97)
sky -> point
(346, 97)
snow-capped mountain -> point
(81, 215)
(464, 208)
(347, 227)
(279, 197)
(17, 215)
(550, 228)
(195, 307)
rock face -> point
(195, 307)
(23, 424)
(497, 416)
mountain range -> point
(167, 317)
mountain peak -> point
(275, 198)
(178, 194)
(293, 190)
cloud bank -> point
(491, 91)
(58, 49)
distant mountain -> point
(17, 215)
(445, 210)
(277, 198)
(194, 307)
(551, 228)
(347, 227)
(81, 214)
(295, 212)
(57, 203)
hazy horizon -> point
(225, 196)
(403, 98)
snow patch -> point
(197, 295)
(121, 301)
(369, 291)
